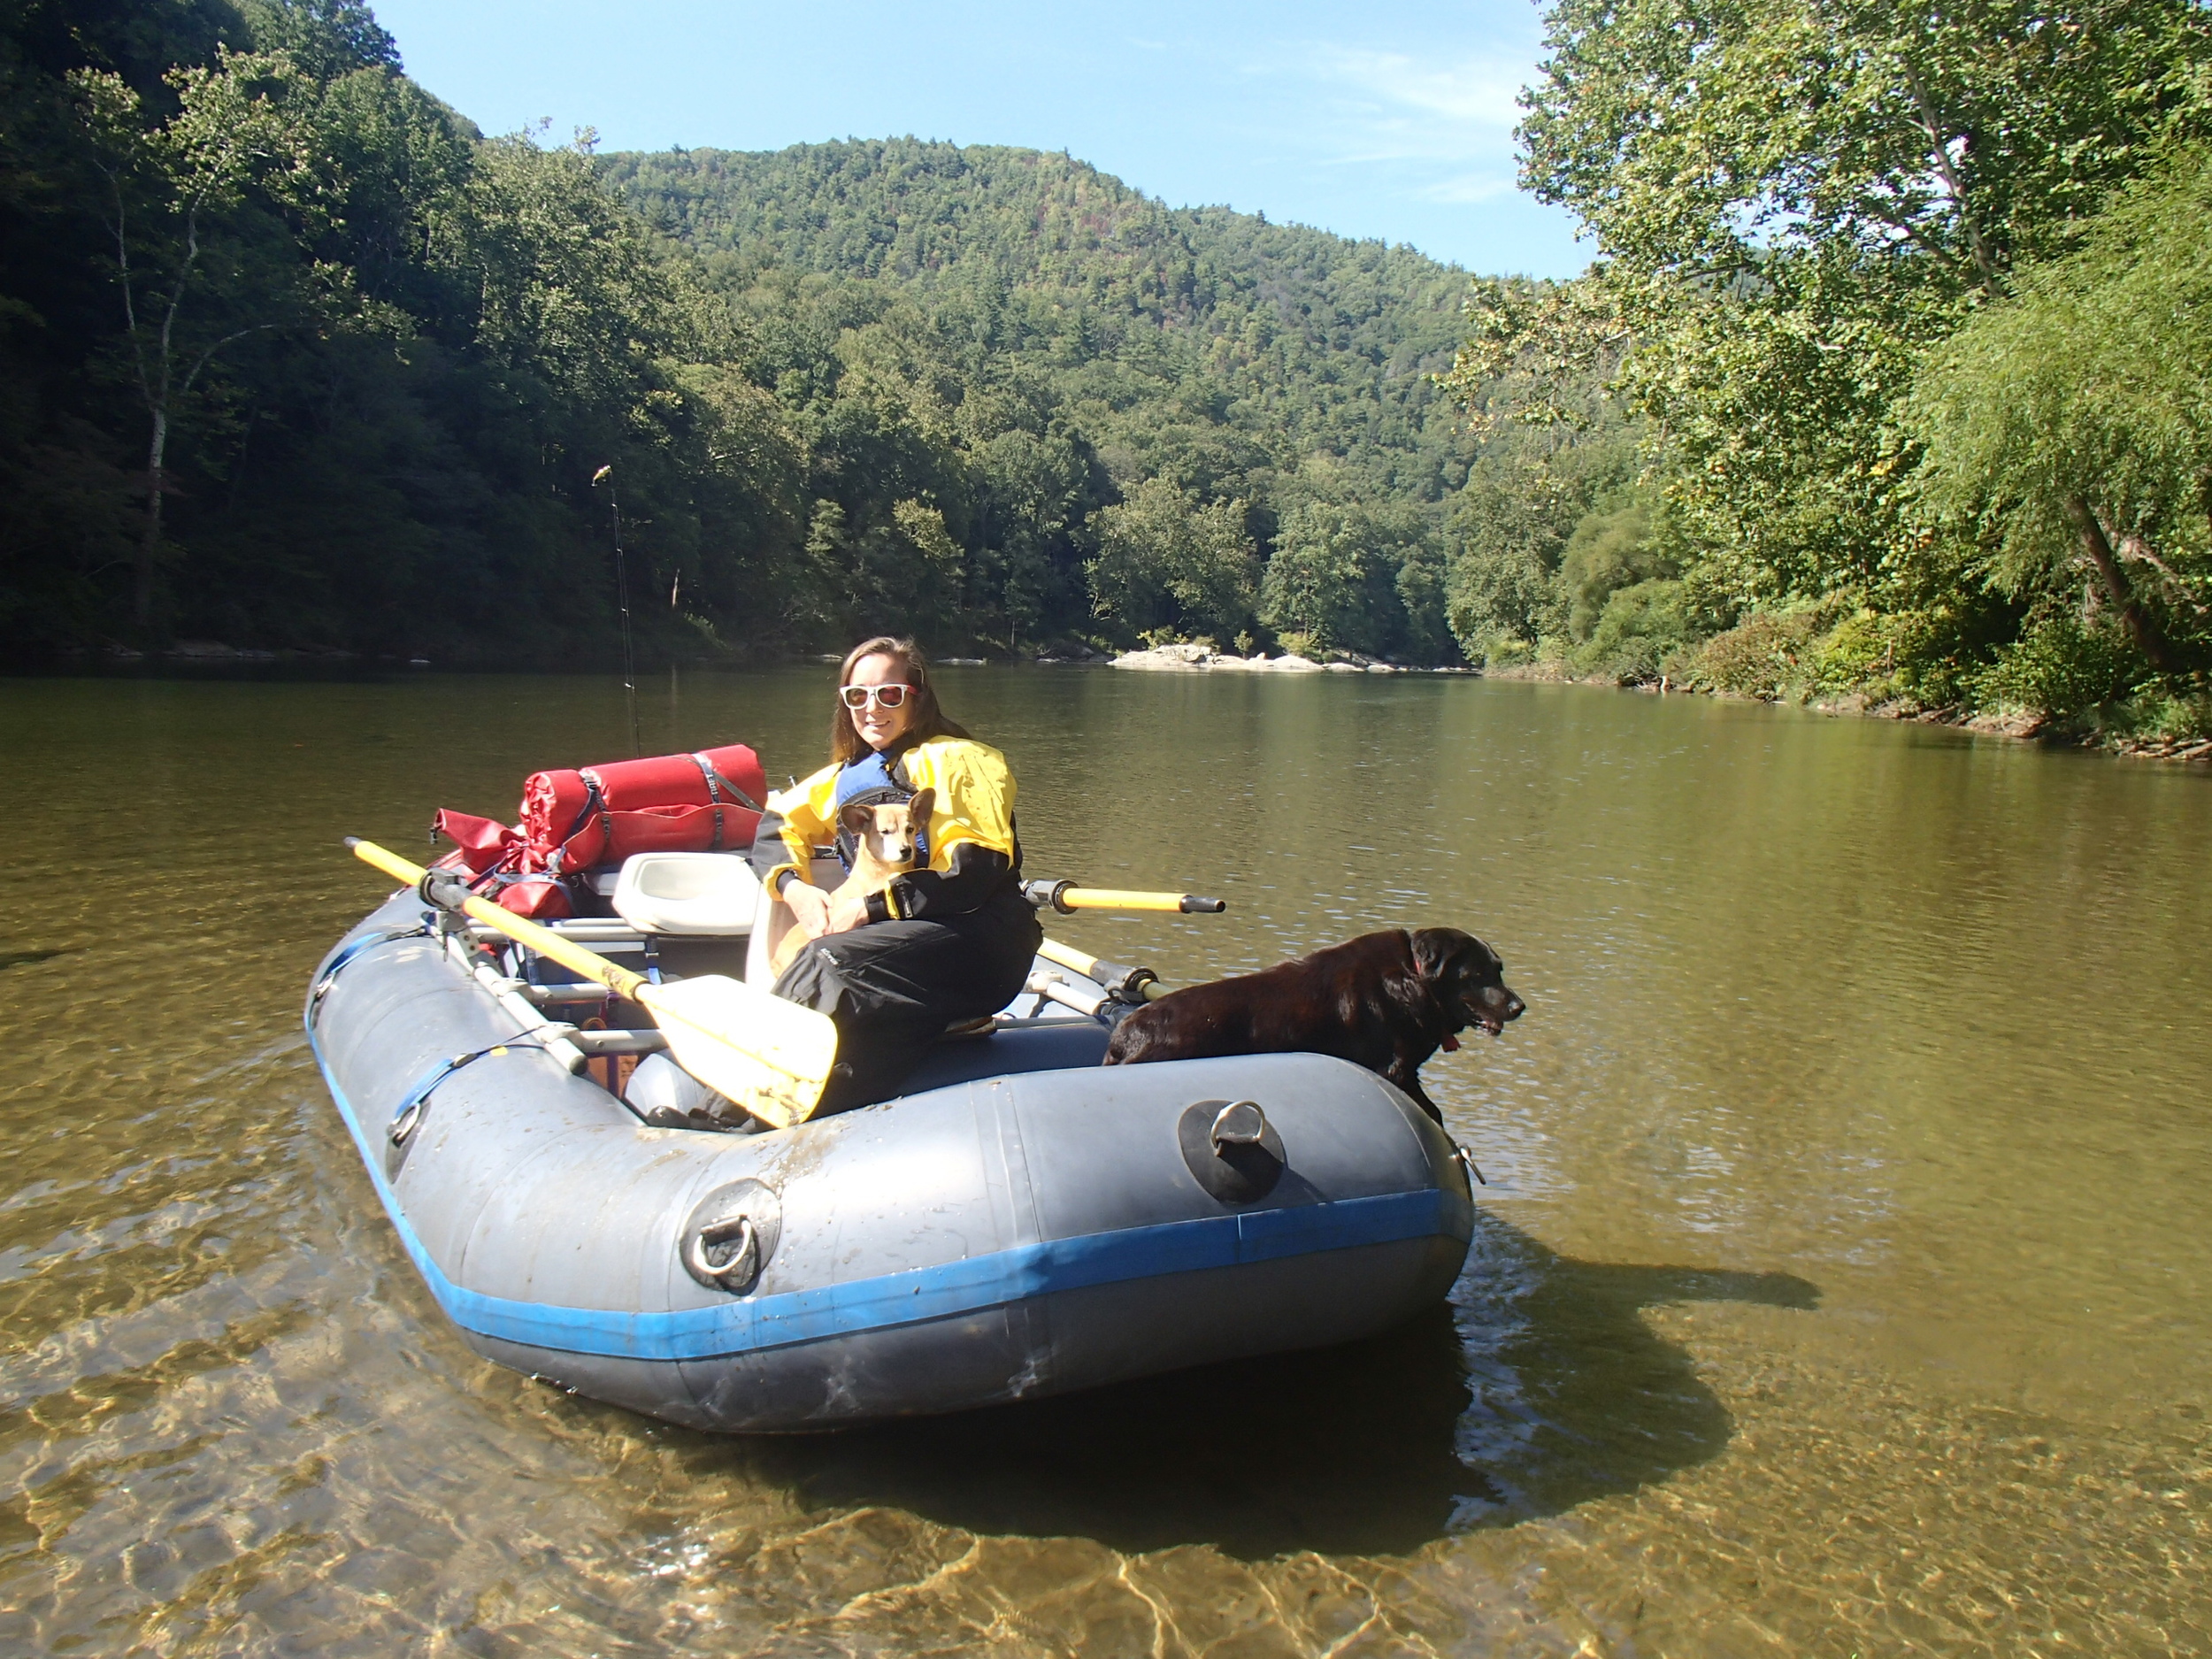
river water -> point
(1840, 1286)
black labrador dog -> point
(1383, 1001)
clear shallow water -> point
(1840, 1286)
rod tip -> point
(1203, 907)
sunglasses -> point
(886, 696)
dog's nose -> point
(1509, 1006)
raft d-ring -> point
(1240, 1124)
(738, 1271)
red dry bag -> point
(600, 815)
(708, 802)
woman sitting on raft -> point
(949, 941)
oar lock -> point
(445, 889)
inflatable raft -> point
(1022, 1221)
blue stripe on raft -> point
(918, 1294)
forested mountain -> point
(1312, 344)
(1162, 421)
(292, 356)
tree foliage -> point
(1166, 563)
(1796, 198)
(2068, 431)
(291, 355)
(1804, 210)
(189, 282)
(1926, 147)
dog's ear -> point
(857, 819)
(919, 807)
(1434, 948)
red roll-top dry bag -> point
(707, 802)
(492, 855)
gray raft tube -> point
(1023, 1222)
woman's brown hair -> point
(846, 743)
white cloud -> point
(1336, 127)
(1355, 106)
(1468, 187)
(1479, 92)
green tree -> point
(189, 282)
(1793, 200)
(1926, 147)
(2068, 430)
(1508, 534)
(568, 287)
(884, 383)
(1332, 580)
(1165, 560)
(1612, 546)
(327, 40)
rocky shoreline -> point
(1191, 658)
(1184, 658)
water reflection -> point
(1540, 1388)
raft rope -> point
(358, 948)
(407, 1116)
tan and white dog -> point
(884, 836)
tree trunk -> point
(149, 544)
(2097, 548)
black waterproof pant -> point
(892, 988)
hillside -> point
(1306, 343)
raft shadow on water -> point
(30, 958)
(1540, 1387)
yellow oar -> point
(1068, 895)
(1138, 982)
(768, 1056)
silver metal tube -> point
(543, 995)
(1052, 986)
(599, 1042)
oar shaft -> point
(1069, 956)
(1119, 899)
(544, 940)
(1140, 980)
(1067, 895)
(770, 1057)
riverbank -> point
(2018, 723)
(2024, 724)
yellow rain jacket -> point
(974, 854)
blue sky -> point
(1393, 120)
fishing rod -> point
(605, 474)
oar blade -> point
(768, 1056)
